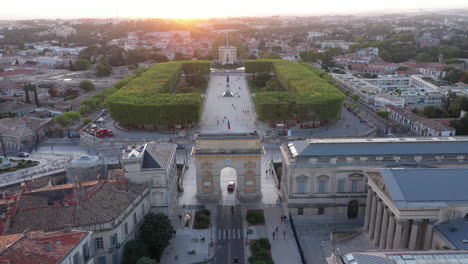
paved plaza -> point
(218, 110)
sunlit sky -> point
(28, 9)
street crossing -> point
(228, 234)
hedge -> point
(308, 96)
(151, 98)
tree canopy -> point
(156, 231)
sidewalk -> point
(283, 247)
(188, 239)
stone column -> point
(405, 234)
(390, 232)
(378, 223)
(384, 229)
(428, 235)
(368, 209)
(414, 234)
(373, 213)
(397, 239)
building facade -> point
(324, 178)
(154, 164)
(403, 205)
(112, 210)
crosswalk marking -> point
(227, 234)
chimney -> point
(67, 229)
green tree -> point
(86, 120)
(66, 118)
(424, 57)
(136, 56)
(385, 55)
(103, 70)
(156, 231)
(178, 57)
(383, 113)
(145, 260)
(310, 56)
(36, 97)
(134, 250)
(461, 126)
(26, 94)
(81, 65)
(276, 49)
(87, 85)
(453, 75)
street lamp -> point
(3, 146)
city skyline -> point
(200, 9)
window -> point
(322, 186)
(300, 211)
(341, 186)
(355, 185)
(113, 240)
(101, 260)
(134, 219)
(321, 211)
(86, 253)
(126, 229)
(99, 243)
(76, 258)
(301, 186)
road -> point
(229, 236)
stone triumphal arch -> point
(213, 152)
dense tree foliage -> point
(81, 65)
(134, 250)
(156, 231)
(308, 96)
(67, 118)
(150, 99)
(103, 70)
(87, 85)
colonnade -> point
(391, 233)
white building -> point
(154, 164)
(324, 179)
(420, 125)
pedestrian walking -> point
(284, 233)
(273, 235)
(180, 218)
(276, 229)
(282, 218)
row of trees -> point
(308, 97)
(31, 87)
(152, 98)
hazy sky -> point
(27, 9)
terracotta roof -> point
(21, 126)
(54, 207)
(416, 118)
(10, 106)
(41, 248)
(15, 72)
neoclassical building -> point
(404, 205)
(324, 178)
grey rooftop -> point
(426, 188)
(456, 232)
(379, 146)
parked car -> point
(22, 154)
(231, 186)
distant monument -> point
(227, 54)
(228, 92)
